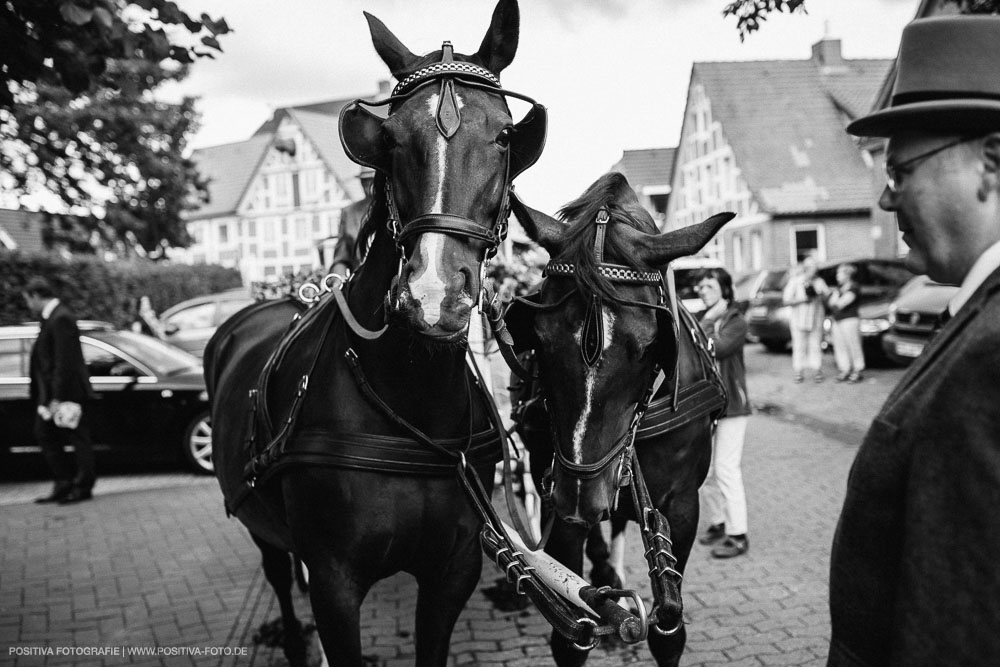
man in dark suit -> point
(915, 569)
(60, 388)
(345, 259)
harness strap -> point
(446, 223)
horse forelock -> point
(611, 192)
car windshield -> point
(162, 358)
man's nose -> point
(887, 202)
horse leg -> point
(566, 546)
(682, 516)
(602, 572)
(618, 526)
(278, 571)
(336, 591)
(443, 593)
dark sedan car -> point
(150, 403)
(880, 280)
(915, 318)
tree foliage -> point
(69, 42)
(112, 158)
(79, 123)
(751, 13)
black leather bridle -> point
(447, 74)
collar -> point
(48, 308)
(987, 263)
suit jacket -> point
(915, 569)
(57, 369)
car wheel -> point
(197, 444)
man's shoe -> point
(733, 546)
(76, 496)
(714, 533)
(855, 378)
(58, 493)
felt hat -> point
(947, 79)
(366, 172)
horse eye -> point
(503, 139)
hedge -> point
(99, 290)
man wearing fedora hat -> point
(914, 577)
(345, 259)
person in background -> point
(345, 260)
(804, 295)
(723, 492)
(60, 387)
(146, 320)
(914, 578)
(843, 302)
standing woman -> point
(843, 302)
(723, 493)
(805, 292)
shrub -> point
(99, 290)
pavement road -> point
(152, 563)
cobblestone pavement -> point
(154, 562)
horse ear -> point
(392, 52)
(543, 229)
(660, 249)
(528, 140)
(500, 43)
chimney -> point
(383, 88)
(826, 53)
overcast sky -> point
(613, 73)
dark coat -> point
(57, 369)
(914, 574)
(729, 334)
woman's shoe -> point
(798, 378)
(818, 377)
(732, 547)
(843, 377)
(714, 533)
(855, 378)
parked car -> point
(914, 318)
(189, 324)
(150, 403)
(880, 280)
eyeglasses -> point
(894, 172)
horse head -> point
(601, 327)
(446, 154)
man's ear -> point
(991, 166)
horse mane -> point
(375, 218)
(612, 192)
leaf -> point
(212, 42)
(75, 14)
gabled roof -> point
(324, 133)
(229, 169)
(328, 108)
(784, 120)
(647, 167)
(20, 230)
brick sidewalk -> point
(165, 567)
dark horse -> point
(363, 408)
(601, 326)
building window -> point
(300, 229)
(807, 240)
(223, 234)
(738, 266)
(268, 231)
(756, 250)
(252, 229)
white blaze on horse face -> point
(430, 285)
(580, 430)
